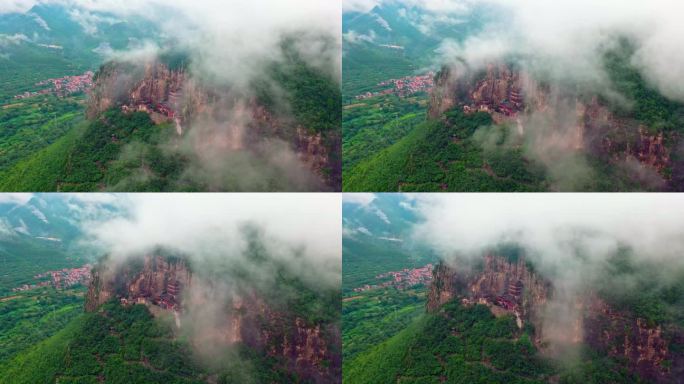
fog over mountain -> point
(571, 240)
(300, 230)
(235, 35)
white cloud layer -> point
(567, 37)
(238, 35)
(550, 225)
(211, 225)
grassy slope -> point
(381, 364)
(27, 126)
(43, 360)
(373, 124)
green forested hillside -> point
(27, 126)
(126, 345)
(444, 155)
(28, 318)
(89, 158)
(374, 124)
(373, 316)
(469, 345)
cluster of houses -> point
(169, 298)
(403, 279)
(165, 109)
(62, 279)
(510, 299)
(404, 87)
(63, 86)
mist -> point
(300, 229)
(570, 239)
(233, 48)
(238, 247)
(562, 44)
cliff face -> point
(582, 122)
(168, 95)
(310, 349)
(155, 280)
(503, 285)
(645, 347)
(511, 287)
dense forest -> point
(373, 124)
(470, 345)
(373, 316)
(126, 345)
(90, 158)
(33, 124)
(27, 318)
(443, 155)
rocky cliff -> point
(237, 122)
(571, 119)
(505, 286)
(312, 350)
(512, 287)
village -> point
(62, 87)
(406, 86)
(62, 279)
(403, 279)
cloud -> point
(364, 230)
(90, 21)
(383, 23)
(15, 198)
(359, 5)
(16, 39)
(301, 229)
(567, 37)
(437, 6)
(465, 224)
(238, 35)
(571, 241)
(40, 21)
(363, 199)
(354, 37)
(6, 230)
(18, 6)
